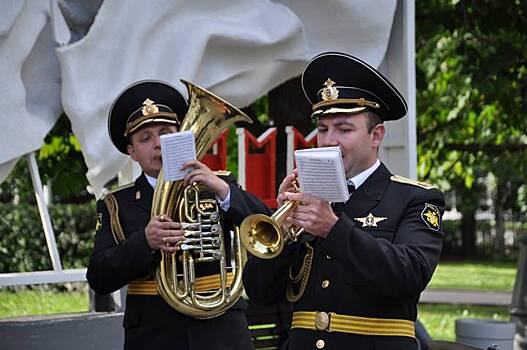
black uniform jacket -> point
(149, 322)
(373, 268)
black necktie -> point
(339, 206)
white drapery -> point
(239, 50)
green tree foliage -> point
(60, 160)
(61, 166)
(23, 244)
(472, 97)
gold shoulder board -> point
(222, 173)
(405, 180)
(107, 192)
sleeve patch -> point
(431, 216)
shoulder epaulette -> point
(107, 191)
(122, 187)
(405, 180)
(222, 173)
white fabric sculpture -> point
(238, 49)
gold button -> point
(320, 344)
(325, 283)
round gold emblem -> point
(322, 321)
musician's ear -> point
(130, 150)
(377, 135)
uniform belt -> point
(332, 322)
(204, 283)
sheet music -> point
(177, 149)
(321, 173)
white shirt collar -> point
(359, 179)
(151, 180)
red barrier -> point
(257, 164)
(295, 140)
(216, 158)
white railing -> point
(57, 275)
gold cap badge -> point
(330, 92)
(149, 107)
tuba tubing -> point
(207, 116)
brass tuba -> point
(264, 237)
(207, 116)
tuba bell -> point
(207, 117)
(264, 237)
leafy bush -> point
(22, 240)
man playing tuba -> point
(356, 278)
(128, 240)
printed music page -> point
(321, 173)
(177, 149)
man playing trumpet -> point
(356, 277)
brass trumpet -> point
(263, 235)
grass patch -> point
(41, 302)
(439, 320)
(496, 276)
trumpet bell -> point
(262, 236)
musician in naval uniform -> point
(128, 241)
(356, 277)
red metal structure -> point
(216, 158)
(257, 164)
(295, 140)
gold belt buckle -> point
(322, 320)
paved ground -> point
(462, 296)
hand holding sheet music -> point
(321, 173)
(177, 149)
